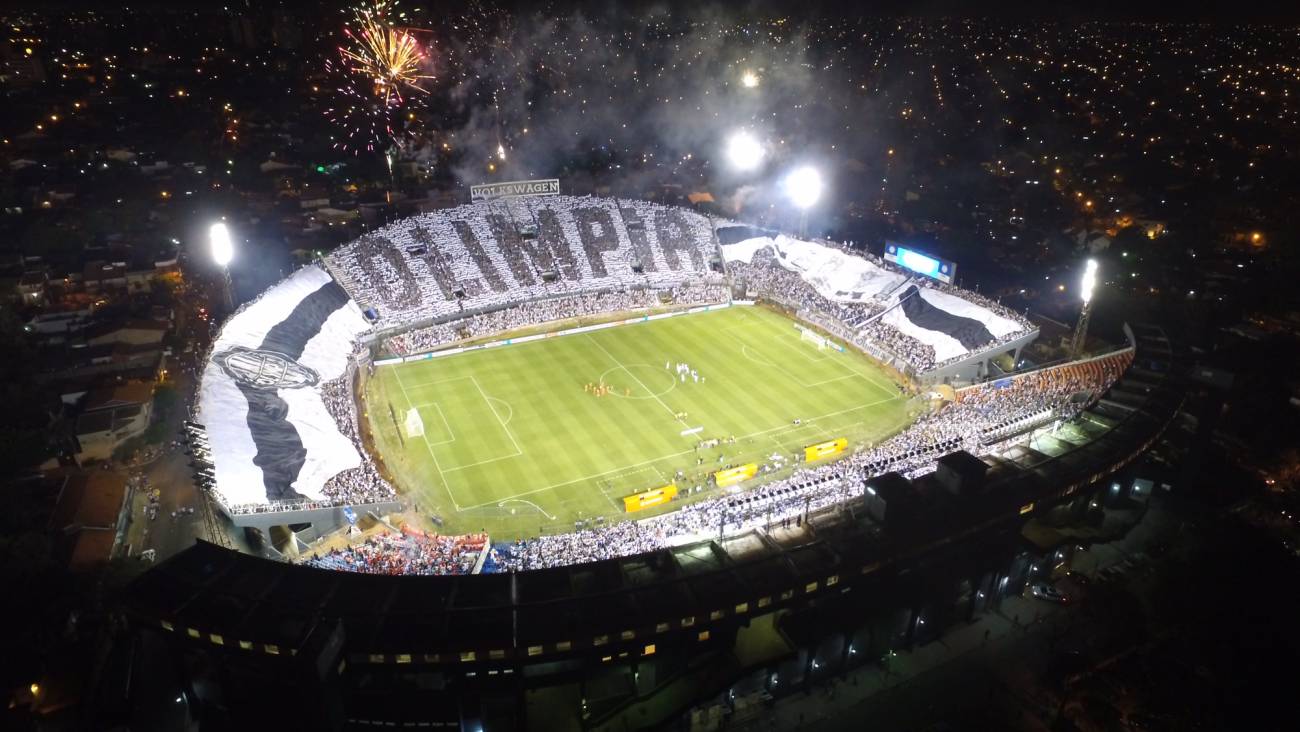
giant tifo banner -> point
(824, 449)
(732, 476)
(480, 255)
(646, 499)
(485, 191)
(951, 322)
(272, 436)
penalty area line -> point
(446, 486)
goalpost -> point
(414, 425)
(813, 338)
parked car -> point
(1044, 591)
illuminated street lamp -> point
(804, 187)
(744, 151)
(1086, 287)
(223, 250)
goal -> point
(414, 425)
(813, 338)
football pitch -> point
(520, 439)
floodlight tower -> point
(1086, 287)
(223, 250)
(804, 187)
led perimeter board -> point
(940, 269)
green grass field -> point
(514, 444)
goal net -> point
(414, 425)
(813, 338)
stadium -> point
(627, 438)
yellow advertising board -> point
(646, 499)
(732, 476)
(824, 449)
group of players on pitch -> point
(603, 389)
(684, 370)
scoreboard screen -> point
(921, 263)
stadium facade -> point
(908, 544)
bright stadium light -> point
(1086, 288)
(1089, 281)
(222, 249)
(744, 151)
(804, 187)
(749, 80)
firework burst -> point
(364, 120)
(390, 57)
(378, 67)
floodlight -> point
(745, 151)
(804, 186)
(222, 248)
(1089, 281)
(749, 80)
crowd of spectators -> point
(768, 278)
(362, 484)
(404, 553)
(862, 318)
(415, 270)
(525, 314)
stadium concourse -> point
(278, 404)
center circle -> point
(639, 377)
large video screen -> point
(921, 263)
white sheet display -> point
(270, 432)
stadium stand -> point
(490, 254)
(407, 552)
(921, 323)
(524, 314)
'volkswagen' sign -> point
(485, 191)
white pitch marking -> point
(628, 371)
(509, 434)
(520, 500)
(446, 486)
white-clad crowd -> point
(486, 255)
(765, 276)
(362, 484)
(536, 312)
(769, 279)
